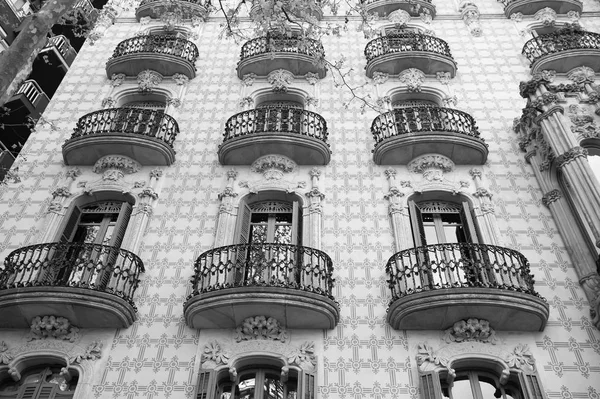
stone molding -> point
(471, 330)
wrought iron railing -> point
(276, 120)
(158, 44)
(263, 265)
(402, 42)
(63, 264)
(423, 119)
(562, 40)
(198, 2)
(146, 122)
(455, 265)
(271, 43)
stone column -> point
(484, 214)
(227, 215)
(56, 209)
(142, 211)
(315, 211)
(399, 217)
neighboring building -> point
(208, 219)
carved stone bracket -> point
(248, 79)
(380, 77)
(413, 78)
(547, 16)
(428, 163)
(60, 328)
(266, 163)
(443, 77)
(551, 196)
(469, 12)
(273, 168)
(280, 80)
(180, 79)
(122, 163)
(261, 327)
(312, 78)
(148, 80)
(471, 330)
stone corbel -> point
(469, 12)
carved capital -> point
(443, 77)
(312, 78)
(248, 79)
(180, 79)
(227, 193)
(551, 196)
(570, 155)
(148, 192)
(380, 77)
(117, 79)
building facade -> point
(206, 218)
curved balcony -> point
(141, 134)
(563, 50)
(92, 285)
(296, 133)
(155, 8)
(394, 53)
(383, 8)
(530, 7)
(405, 133)
(264, 55)
(165, 54)
(435, 285)
(289, 282)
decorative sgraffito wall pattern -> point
(363, 357)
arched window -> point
(276, 221)
(40, 382)
(479, 385)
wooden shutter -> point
(243, 223)
(46, 392)
(296, 237)
(121, 225)
(308, 386)
(430, 385)
(206, 384)
(27, 391)
(69, 227)
(468, 225)
(416, 221)
(533, 389)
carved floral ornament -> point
(581, 75)
(432, 166)
(120, 162)
(258, 334)
(148, 80)
(547, 16)
(471, 330)
(280, 80)
(413, 78)
(273, 168)
(399, 17)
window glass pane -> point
(273, 388)
(462, 389)
(109, 232)
(86, 234)
(246, 388)
(452, 227)
(283, 235)
(283, 217)
(258, 234)
(92, 218)
(259, 218)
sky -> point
(595, 164)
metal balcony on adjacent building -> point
(91, 285)
(435, 285)
(288, 282)
(296, 133)
(383, 8)
(405, 133)
(32, 97)
(144, 135)
(58, 51)
(530, 7)
(396, 52)
(563, 50)
(155, 8)
(165, 54)
(264, 55)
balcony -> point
(405, 133)
(530, 7)
(165, 54)
(435, 285)
(394, 53)
(92, 285)
(58, 51)
(141, 134)
(264, 55)
(563, 50)
(289, 282)
(296, 133)
(32, 97)
(383, 8)
(155, 8)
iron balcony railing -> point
(145, 122)
(562, 40)
(63, 264)
(197, 2)
(158, 44)
(458, 265)
(403, 42)
(272, 43)
(276, 119)
(423, 119)
(263, 265)
(365, 2)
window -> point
(47, 382)
(102, 222)
(262, 381)
(441, 222)
(481, 383)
